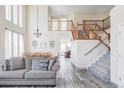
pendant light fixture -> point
(37, 33)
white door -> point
(121, 56)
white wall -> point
(81, 47)
(1, 34)
(117, 45)
(47, 36)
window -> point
(8, 44)
(15, 47)
(8, 12)
(20, 16)
(14, 44)
(15, 14)
(21, 45)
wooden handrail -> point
(94, 47)
(74, 31)
(104, 23)
(102, 29)
(85, 30)
(106, 18)
(98, 37)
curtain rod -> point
(13, 31)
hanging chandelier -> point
(37, 33)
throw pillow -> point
(35, 63)
(44, 63)
(40, 64)
(28, 62)
(51, 63)
(17, 63)
(6, 66)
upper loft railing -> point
(90, 29)
(67, 25)
(100, 24)
(96, 29)
(106, 23)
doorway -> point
(65, 49)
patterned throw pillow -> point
(39, 63)
(44, 63)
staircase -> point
(101, 67)
(96, 30)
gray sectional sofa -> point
(20, 72)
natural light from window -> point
(15, 14)
(8, 44)
(8, 12)
(14, 44)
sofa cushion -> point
(16, 74)
(38, 74)
(28, 62)
(17, 63)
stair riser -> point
(99, 75)
(101, 78)
(101, 70)
(104, 61)
(104, 57)
(103, 65)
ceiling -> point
(64, 10)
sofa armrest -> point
(56, 67)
